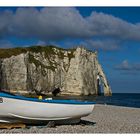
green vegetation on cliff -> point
(6, 53)
(49, 53)
(48, 50)
(38, 63)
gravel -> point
(104, 119)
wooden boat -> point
(14, 108)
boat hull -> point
(16, 110)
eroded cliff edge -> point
(74, 71)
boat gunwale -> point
(74, 102)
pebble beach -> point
(104, 119)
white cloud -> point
(51, 24)
(126, 66)
(108, 25)
(41, 43)
(48, 23)
(106, 45)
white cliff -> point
(43, 69)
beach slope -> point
(104, 119)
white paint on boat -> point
(4, 121)
(32, 110)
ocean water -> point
(118, 99)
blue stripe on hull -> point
(3, 94)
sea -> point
(120, 99)
(117, 99)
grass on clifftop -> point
(6, 53)
(49, 53)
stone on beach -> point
(104, 119)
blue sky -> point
(113, 31)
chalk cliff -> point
(74, 71)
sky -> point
(112, 31)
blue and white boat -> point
(14, 108)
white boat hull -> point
(29, 111)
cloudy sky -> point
(113, 32)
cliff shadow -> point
(3, 81)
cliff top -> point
(6, 53)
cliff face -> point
(43, 69)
